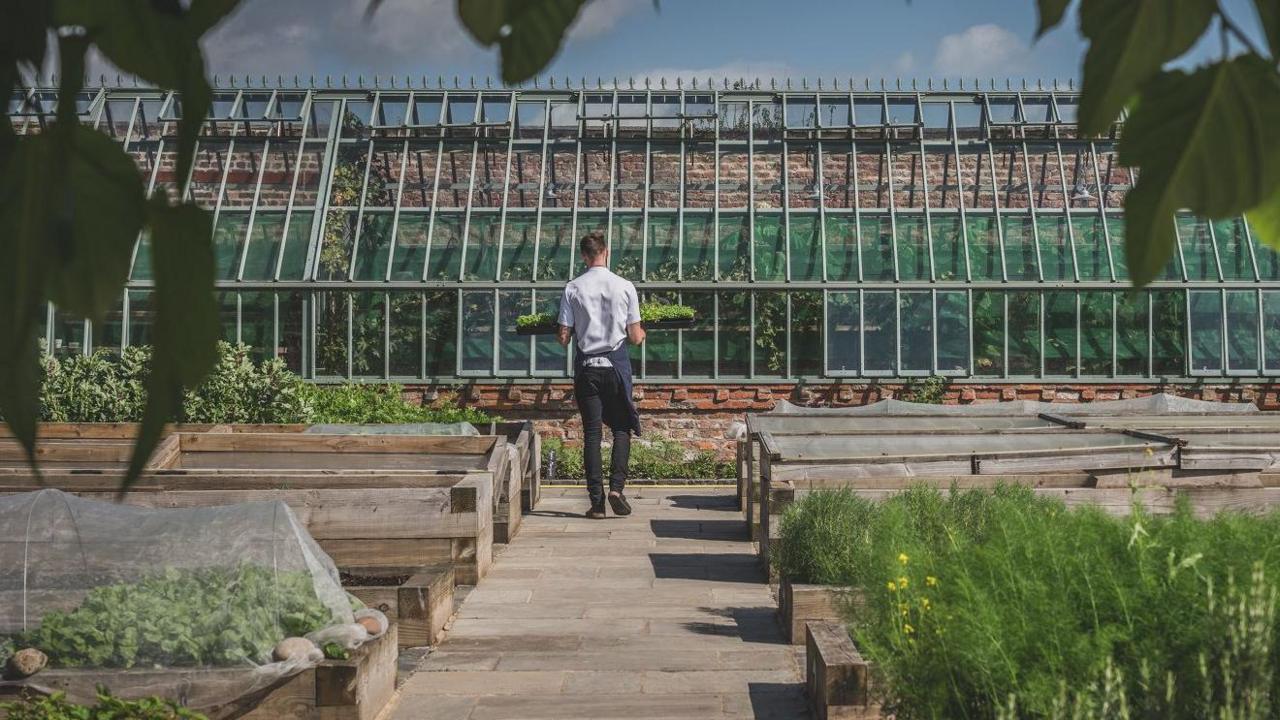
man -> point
(603, 311)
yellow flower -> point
(931, 581)
(892, 587)
(906, 628)
(924, 603)
(902, 582)
(902, 558)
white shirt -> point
(599, 306)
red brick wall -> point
(701, 414)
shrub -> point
(1002, 604)
(240, 391)
(649, 312)
(102, 387)
(57, 707)
(650, 459)
(355, 403)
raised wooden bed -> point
(369, 500)
(837, 678)
(358, 688)
(801, 603)
(520, 485)
(418, 600)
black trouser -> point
(599, 395)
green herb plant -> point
(108, 707)
(649, 313)
(650, 459)
(208, 617)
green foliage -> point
(72, 202)
(932, 390)
(1001, 604)
(335, 651)
(207, 617)
(529, 33)
(649, 312)
(57, 707)
(650, 459)
(355, 403)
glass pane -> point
(916, 310)
(953, 332)
(771, 334)
(335, 247)
(802, 112)
(1169, 319)
(292, 313)
(411, 246)
(477, 332)
(442, 332)
(984, 247)
(1268, 260)
(1271, 330)
(1197, 249)
(877, 248)
(405, 351)
(879, 332)
(913, 249)
(1060, 333)
(806, 334)
(948, 250)
(375, 246)
(264, 245)
(1019, 249)
(698, 344)
(835, 112)
(228, 315)
(549, 355)
(734, 247)
(1095, 334)
(1206, 331)
(770, 248)
(445, 257)
(1233, 249)
(1024, 333)
(461, 110)
(699, 247)
(868, 111)
(663, 259)
(384, 175)
(108, 333)
(513, 349)
(68, 334)
(843, 333)
(806, 247)
(555, 248)
(426, 110)
(1091, 248)
(142, 258)
(1115, 228)
(228, 240)
(1055, 248)
(988, 333)
(1132, 318)
(331, 334)
(626, 254)
(1242, 331)
(242, 174)
(482, 247)
(518, 241)
(368, 316)
(348, 175)
(735, 334)
(842, 248)
(141, 317)
(258, 324)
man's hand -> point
(564, 334)
(635, 333)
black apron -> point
(621, 360)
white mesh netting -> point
(1162, 403)
(183, 603)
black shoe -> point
(619, 504)
(596, 512)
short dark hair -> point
(592, 245)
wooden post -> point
(836, 676)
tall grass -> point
(1003, 605)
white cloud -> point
(904, 64)
(979, 50)
(601, 16)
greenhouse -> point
(398, 232)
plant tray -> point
(552, 328)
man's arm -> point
(566, 319)
(564, 335)
(635, 331)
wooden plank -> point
(382, 552)
(109, 452)
(359, 688)
(819, 482)
(800, 603)
(166, 454)
(836, 676)
(348, 460)
(293, 700)
(160, 481)
(307, 443)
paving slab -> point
(663, 614)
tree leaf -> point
(96, 220)
(186, 330)
(1264, 221)
(1050, 14)
(24, 32)
(1198, 139)
(1269, 16)
(537, 31)
(1129, 41)
(484, 18)
(203, 15)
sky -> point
(732, 39)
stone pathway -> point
(663, 614)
